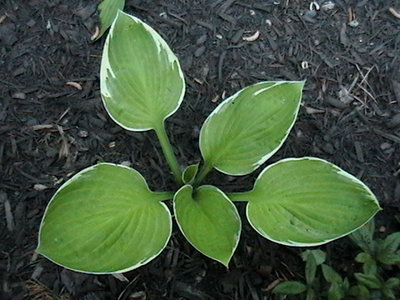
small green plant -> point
(105, 219)
(368, 285)
(378, 255)
(310, 289)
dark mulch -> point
(350, 56)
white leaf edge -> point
(105, 65)
(232, 98)
(237, 216)
(341, 172)
(76, 177)
(187, 169)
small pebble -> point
(17, 95)
(354, 23)
(126, 163)
(385, 146)
(39, 187)
(327, 5)
(304, 65)
(83, 133)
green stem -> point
(169, 153)
(204, 170)
(238, 197)
(162, 196)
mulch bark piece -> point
(49, 130)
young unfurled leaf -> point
(104, 220)
(308, 201)
(290, 288)
(189, 174)
(208, 220)
(140, 78)
(250, 126)
(108, 11)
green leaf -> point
(388, 293)
(334, 292)
(190, 173)
(392, 283)
(290, 288)
(308, 201)
(389, 245)
(108, 10)
(370, 281)
(319, 256)
(208, 220)
(363, 257)
(250, 126)
(310, 269)
(369, 263)
(140, 78)
(389, 259)
(331, 275)
(104, 220)
(346, 285)
(364, 237)
(311, 294)
(360, 292)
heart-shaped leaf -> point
(105, 220)
(250, 126)
(308, 201)
(108, 11)
(141, 80)
(208, 220)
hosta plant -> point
(105, 219)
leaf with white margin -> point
(108, 10)
(141, 80)
(104, 220)
(250, 126)
(189, 174)
(308, 201)
(208, 220)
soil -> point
(49, 130)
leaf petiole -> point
(238, 197)
(162, 196)
(204, 170)
(169, 153)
